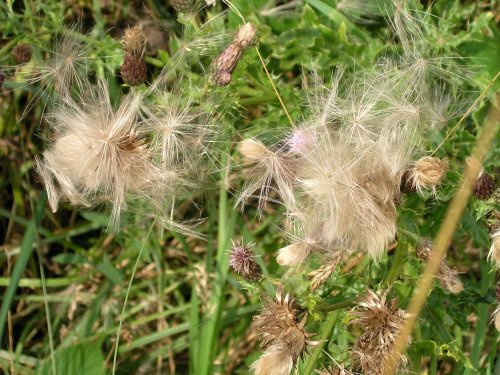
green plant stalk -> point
(211, 324)
(22, 261)
(325, 337)
(397, 262)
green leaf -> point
(80, 359)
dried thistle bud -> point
(242, 261)
(134, 71)
(282, 336)
(494, 254)
(246, 35)
(485, 184)
(428, 172)
(407, 186)
(448, 277)
(337, 370)
(225, 64)
(183, 6)
(134, 41)
(381, 321)
(253, 151)
(21, 53)
(484, 187)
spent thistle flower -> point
(381, 320)
(242, 261)
(448, 277)
(282, 336)
(134, 70)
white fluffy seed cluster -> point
(339, 172)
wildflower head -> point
(300, 141)
(134, 41)
(242, 261)
(21, 53)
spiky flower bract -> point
(281, 335)
(381, 320)
(242, 261)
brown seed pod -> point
(225, 64)
(134, 71)
(21, 53)
(242, 261)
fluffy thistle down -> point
(282, 336)
(496, 313)
(99, 154)
(494, 253)
(448, 277)
(342, 169)
(381, 320)
(427, 173)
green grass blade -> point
(22, 261)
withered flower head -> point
(134, 41)
(381, 321)
(485, 184)
(448, 277)
(282, 336)
(427, 172)
(242, 261)
(21, 53)
(134, 70)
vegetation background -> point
(65, 277)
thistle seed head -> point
(294, 254)
(253, 151)
(134, 70)
(484, 187)
(242, 261)
(428, 172)
(21, 53)
(134, 41)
